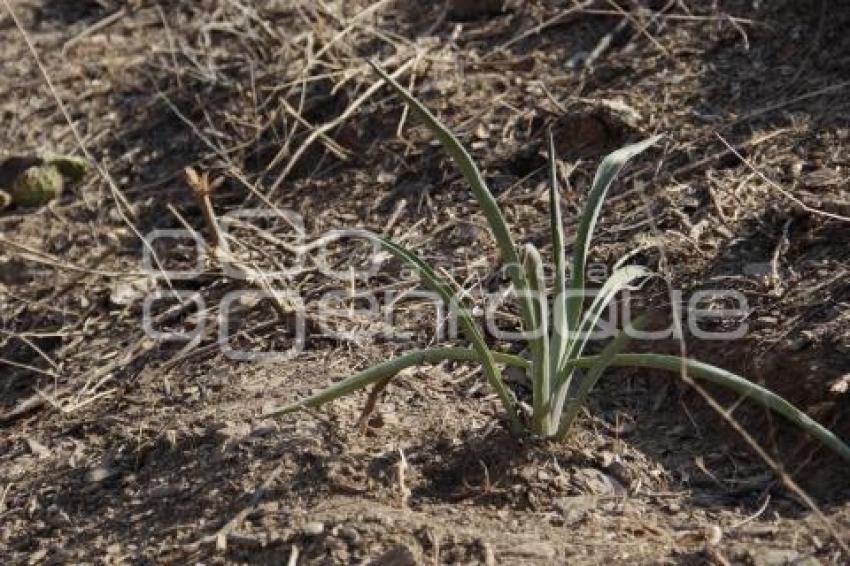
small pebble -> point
(314, 528)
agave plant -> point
(562, 375)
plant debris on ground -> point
(120, 447)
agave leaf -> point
(466, 165)
(470, 328)
(588, 382)
(388, 369)
(539, 341)
(605, 175)
(560, 325)
(741, 385)
(482, 193)
(619, 280)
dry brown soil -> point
(117, 448)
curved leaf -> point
(469, 169)
(470, 328)
(560, 324)
(389, 368)
(728, 380)
(605, 175)
(619, 280)
(538, 341)
(588, 382)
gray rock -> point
(313, 528)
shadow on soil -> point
(477, 467)
(186, 490)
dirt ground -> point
(116, 447)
